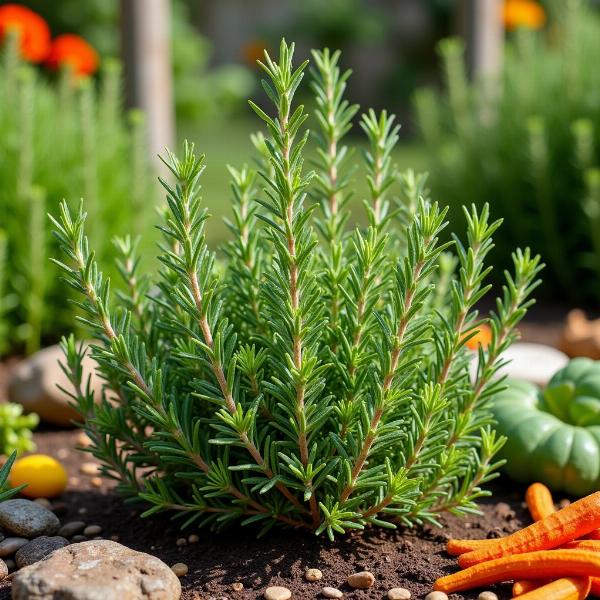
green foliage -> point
(309, 379)
(6, 492)
(15, 429)
(57, 140)
(529, 144)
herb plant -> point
(309, 377)
(529, 144)
(60, 139)
(16, 429)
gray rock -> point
(70, 529)
(35, 384)
(27, 519)
(38, 548)
(96, 570)
(10, 545)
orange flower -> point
(523, 13)
(74, 51)
(33, 31)
(482, 338)
(252, 51)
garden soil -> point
(398, 558)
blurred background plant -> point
(527, 143)
(16, 429)
(59, 138)
(200, 93)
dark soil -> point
(411, 559)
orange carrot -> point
(458, 547)
(563, 526)
(522, 586)
(530, 565)
(591, 545)
(568, 588)
(595, 589)
(539, 501)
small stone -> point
(436, 596)
(114, 537)
(361, 580)
(331, 592)
(83, 440)
(564, 503)
(96, 482)
(71, 528)
(37, 549)
(238, 586)
(3, 570)
(313, 575)
(63, 453)
(10, 545)
(44, 502)
(76, 539)
(89, 468)
(487, 596)
(504, 511)
(59, 508)
(180, 569)
(277, 592)
(398, 594)
(193, 539)
(92, 530)
(82, 511)
(27, 519)
(181, 542)
(11, 565)
(96, 569)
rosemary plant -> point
(309, 378)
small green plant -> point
(528, 143)
(16, 429)
(60, 139)
(313, 378)
(6, 492)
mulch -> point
(400, 558)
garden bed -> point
(411, 559)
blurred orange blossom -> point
(523, 13)
(32, 30)
(73, 51)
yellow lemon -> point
(45, 476)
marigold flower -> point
(33, 31)
(74, 51)
(523, 13)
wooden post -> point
(146, 47)
(485, 33)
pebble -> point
(181, 542)
(27, 519)
(37, 549)
(398, 594)
(59, 508)
(96, 482)
(44, 502)
(97, 569)
(238, 586)
(83, 439)
(487, 596)
(313, 575)
(277, 592)
(180, 569)
(331, 592)
(361, 580)
(10, 545)
(194, 538)
(10, 564)
(114, 537)
(436, 596)
(71, 528)
(89, 468)
(3, 570)
(76, 539)
(63, 453)
(92, 530)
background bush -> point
(529, 145)
(61, 139)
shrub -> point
(528, 144)
(307, 378)
(60, 139)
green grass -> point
(228, 143)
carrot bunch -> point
(549, 560)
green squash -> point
(553, 434)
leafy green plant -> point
(57, 140)
(16, 429)
(528, 144)
(307, 379)
(6, 492)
